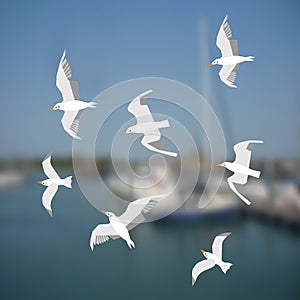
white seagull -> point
(241, 166)
(212, 259)
(71, 104)
(230, 59)
(120, 226)
(52, 183)
(146, 125)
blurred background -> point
(113, 41)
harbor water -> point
(49, 258)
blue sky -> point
(112, 41)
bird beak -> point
(202, 251)
(52, 109)
(211, 65)
(218, 165)
(40, 182)
(124, 133)
(103, 212)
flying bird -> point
(119, 227)
(71, 104)
(146, 125)
(52, 183)
(230, 59)
(241, 166)
(212, 259)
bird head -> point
(55, 107)
(205, 253)
(129, 130)
(108, 213)
(43, 182)
(215, 62)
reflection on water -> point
(49, 258)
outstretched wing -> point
(141, 112)
(67, 87)
(243, 152)
(228, 75)
(135, 210)
(48, 196)
(234, 48)
(47, 167)
(101, 234)
(200, 267)
(238, 178)
(217, 244)
(223, 42)
(70, 122)
(154, 136)
(231, 182)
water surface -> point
(49, 258)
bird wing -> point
(101, 234)
(200, 267)
(217, 244)
(243, 152)
(239, 178)
(141, 112)
(231, 182)
(67, 87)
(138, 207)
(234, 47)
(47, 167)
(228, 75)
(151, 137)
(138, 220)
(223, 42)
(48, 196)
(70, 122)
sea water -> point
(49, 258)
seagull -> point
(230, 59)
(212, 259)
(120, 226)
(52, 183)
(71, 104)
(146, 125)
(240, 166)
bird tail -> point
(225, 267)
(130, 244)
(68, 182)
(92, 104)
(255, 173)
(163, 124)
(249, 58)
